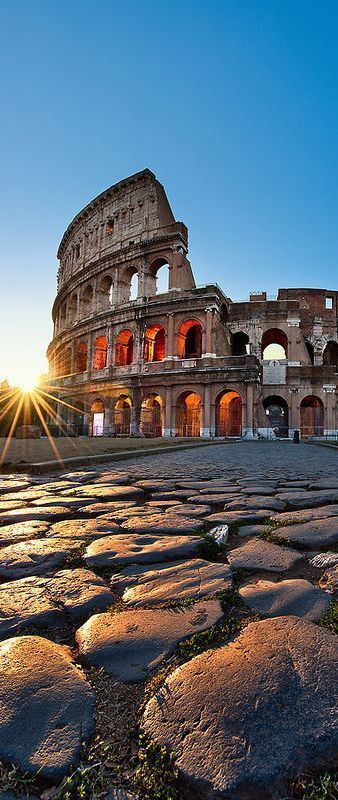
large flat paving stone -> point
(244, 719)
(259, 489)
(42, 601)
(131, 644)
(255, 503)
(136, 548)
(314, 534)
(211, 499)
(21, 531)
(83, 529)
(296, 597)
(39, 513)
(238, 517)
(162, 523)
(189, 510)
(163, 583)
(46, 707)
(306, 514)
(36, 557)
(309, 499)
(261, 555)
(11, 505)
(98, 509)
(13, 485)
(102, 492)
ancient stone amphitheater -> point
(138, 348)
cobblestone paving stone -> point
(104, 528)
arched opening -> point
(160, 270)
(154, 343)
(152, 416)
(72, 308)
(310, 350)
(274, 345)
(311, 416)
(188, 415)
(330, 355)
(189, 342)
(96, 424)
(81, 357)
(240, 344)
(100, 353)
(124, 348)
(277, 415)
(122, 415)
(105, 292)
(87, 301)
(229, 414)
(133, 290)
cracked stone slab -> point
(295, 597)
(329, 581)
(135, 548)
(314, 534)
(102, 492)
(36, 556)
(43, 601)
(132, 644)
(83, 529)
(245, 719)
(162, 583)
(21, 531)
(162, 523)
(46, 707)
(261, 555)
(309, 499)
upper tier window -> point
(329, 303)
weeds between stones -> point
(330, 620)
(324, 787)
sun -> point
(27, 385)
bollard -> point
(296, 437)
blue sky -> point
(232, 104)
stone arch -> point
(330, 354)
(240, 344)
(277, 415)
(122, 415)
(100, 353)
(188, 414)
(124, 348)
(96, 418)
(154, 343)
(87, 298)
(311, 416)
(159, 271)
(128, 285)
(189, 339)
(81, 357)
(229, 408)
(274, 344)
(152, 415)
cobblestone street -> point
(167, 621)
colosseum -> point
(139, 349)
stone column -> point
(170, 337)
(207, 349)
(247, 426)
(135, 418)
(294, 420)
(110, 348)
(90, 352)
(329, 409)
(206, 418)
(167, 430)
(108, 416)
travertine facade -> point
(185, 361)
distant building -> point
(133, 356)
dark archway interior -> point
(277, 414)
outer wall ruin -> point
(134, 356)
